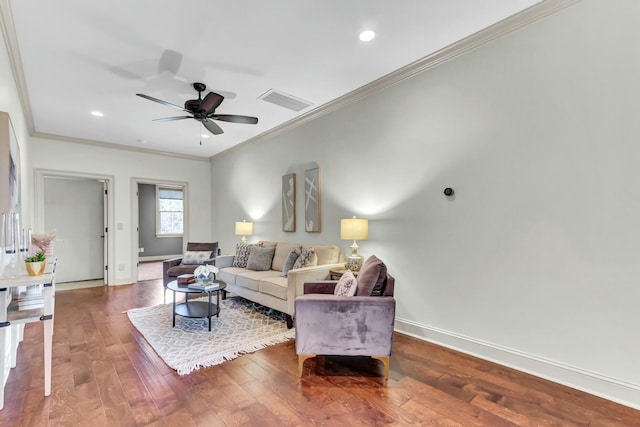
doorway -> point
(151, 245)
(76, 208)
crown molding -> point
(459, 48)
(116, 146)
(11, 42)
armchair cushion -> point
(346, 286)
(371, 277)
(195, 257)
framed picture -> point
(9, 167)
(289, 202)
(312, 200)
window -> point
(170, 203)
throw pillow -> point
(290, 261)
(346, 286)
(260, 258)
(242, 255)
(195, 257)
(371, 277)
(306, 258)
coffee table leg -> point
(174, 309)
(209, 310)
(218, 303)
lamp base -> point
(354, 261)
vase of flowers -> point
(43, 242)
(205, 274)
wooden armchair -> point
(172, 268)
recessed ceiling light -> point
(97, 114)
(204, 135)
(367, 35)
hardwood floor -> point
(105, 374)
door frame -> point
(38, 196)
(135, 219)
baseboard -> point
(590, 382)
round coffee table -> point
(196, 309)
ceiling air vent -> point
(284, 100)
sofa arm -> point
(166, 265)
(299, 276)
(320, 287)
(224, 261)
(349, 326)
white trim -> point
(590, 382)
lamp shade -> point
(354, 229)
(244, 228)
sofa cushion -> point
(327, 254)
(282, 252)
(229, 274)
(275, 286)
(290, 261)
(307, 258)
(242, 254)
(371, 277)
(195, 257)
(251, 279)
(346, 286)
(260, 258)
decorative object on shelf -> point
(35, 264)
(354, 229)
(205, 274)
(11, 245)
(312, 200)
(244, 228)
(43, 242)
(289, 202)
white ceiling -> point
(83, 55)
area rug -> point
(243, 327)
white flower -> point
(205, 273)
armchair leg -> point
(385, 362)
(301, 359)
(289, 320)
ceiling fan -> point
(203, 110)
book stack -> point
(185, 279)
(204, 287)
(31, 299)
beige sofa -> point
(268, 287)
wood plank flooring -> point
(106, 374)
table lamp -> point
(354, 229)
(243, 229)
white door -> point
(74, 210)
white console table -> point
(12, 322)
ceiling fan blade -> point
(211, 102)
(170, 119)
(168, 104)
(212, 127)
(233, 118)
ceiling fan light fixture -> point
(367, 35)
(204, 135)
(97, 113)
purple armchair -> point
(172, 268)
(344, 326)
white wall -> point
(534, 262)
(123, 166)
(10, 103)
